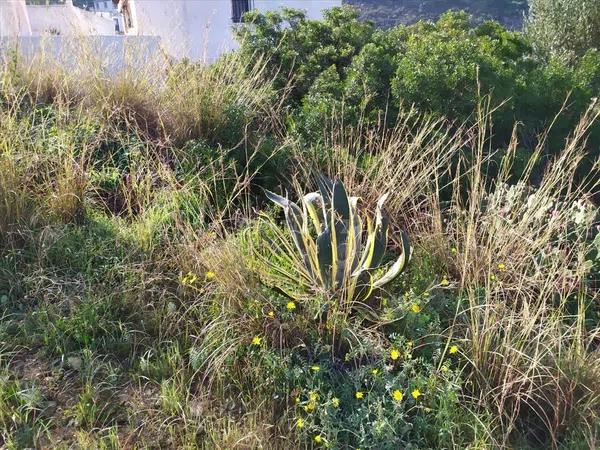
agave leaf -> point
(399, 265)
(342, 231)
(364, 287)
(367, 254)
(356, 241)
(381, 234)
(340, 203)
(278, 199)
(310, 202)
(380, 243)
(325, 255)
(296, 224)
(325, 186)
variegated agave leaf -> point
(295, 221)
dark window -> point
(238, 8)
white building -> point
(202, 29)
(18, 18)
(108, 8)
(104, 6)
(195, 29)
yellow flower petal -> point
(290, 306)
(416, 394)
(453, 349)
(359, 395)
(398, 395)
(394, 354)
(256, 340)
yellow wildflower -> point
(444, 282)
(453, 349)
(416, 394)
(416, 308)
(394, 354)
(256, 340)
(359, 395)
(310, 406)
(271, 314)
(501, 266)
(315, 368)
(300, 423)
(493, 277)
(398, 395)
(313, 396)
(290, 306)
(335, 402)
(375, 372)
(189, 279)
(318, 439)
(209, 275)
(445, 369)
(453, 250)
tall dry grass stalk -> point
(411, 160)
(133, 86)
(521, 269)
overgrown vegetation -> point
(152, 296)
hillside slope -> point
(387, 13)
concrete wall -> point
(68, 20)
(109, 55)
(202, 29)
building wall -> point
(202, 29)
(14, 20)
(19, 19)
(68, 20)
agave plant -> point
(327, 231)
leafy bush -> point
(343, 71)
(564, 28)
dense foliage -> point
(564, 28)
(344, 67)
